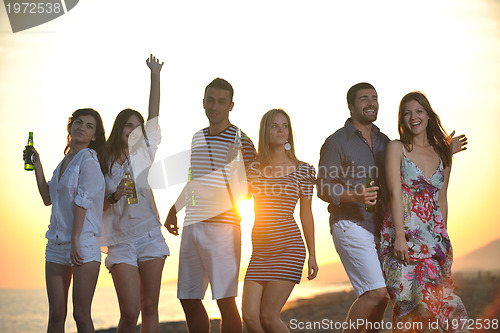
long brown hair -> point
(436, 134)
(99, 143)
(115, 146)
(264, 153)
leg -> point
(196, 316)
(84, 282)
(252, 298)
(357, 251)
(126, 281)
(57, 280)
(150, 276)
(192, 282)
(275, 296)
(369, 307)
(231, 320)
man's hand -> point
(171, 222)
(458, 143)
(369, 196)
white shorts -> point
(357, 250)
(209, 252)
(59, 253)
(148, 246)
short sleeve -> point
(307, 181)
(248, 150)
(253, 172)
(90, 182)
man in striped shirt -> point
(211, 238)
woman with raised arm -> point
(415, 249)
(131, 225)
(278, 180)
(76, 193)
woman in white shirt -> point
(76, 193)
(131, 232)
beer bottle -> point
(193, 202)
(369, 183)
(29, 156)
(131, 198)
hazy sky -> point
(289, 54)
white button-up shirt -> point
(81, 184)
(122, 221)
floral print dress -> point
(422, 291)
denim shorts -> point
(148, 246)
(59, 253)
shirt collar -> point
(355, 132)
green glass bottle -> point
(193, 202)
(29, 155)
(369, 208)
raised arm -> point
(154, 95)
(393, 158)
(306, 218)
(41, 183)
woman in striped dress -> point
(277, 181)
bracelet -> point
(111, 198)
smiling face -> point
(279, 130)
(365, 107)
(217, 104)
(131, 131)
(83, 130)
(415, 117)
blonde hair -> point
(264, 153)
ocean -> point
(26, 311)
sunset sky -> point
(296, 55)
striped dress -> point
(278, 249)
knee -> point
(268, 320)
(149, 308)
(377, 296)
(227, 307)
(129, 314)
(57, 315)
(251, 319)
(191, 305)
(81, 315)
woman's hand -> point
(312, 268)
(122, 190)
(74, 253)
(154, 64)
(401, 249)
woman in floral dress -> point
(415, 249)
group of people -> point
(399, 249)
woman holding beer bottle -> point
(76, 193)
(131, 226)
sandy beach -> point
(479, 292)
